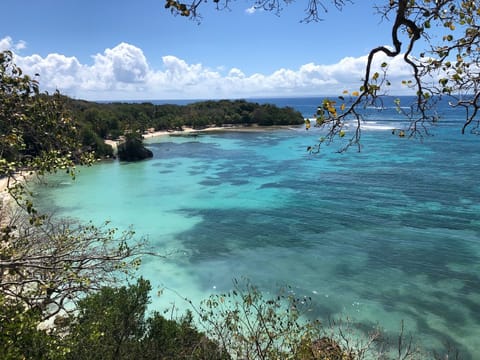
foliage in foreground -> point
(37, 132)
(250, 324)
(46, 263)
(114, 323)
(110, 324)
(20, 337)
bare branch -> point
(313, 10)
(50, 265)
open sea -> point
(385, 235)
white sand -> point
(186, 130)
(238, 128)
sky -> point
(137, 50)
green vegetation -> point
(108, 324)
(249, 325)
(110, 120)
(113, 119)
(37, 132)
(100, 121)
(112, 324)
(97, 122)
(20, 337)
(46, 264)
(51, 269)
(132, 148)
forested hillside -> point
(101, 121)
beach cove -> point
(381, 236)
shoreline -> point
(189, 131)
(240, 128)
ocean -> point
(381, 236)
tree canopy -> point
(110, 120)
(37, 131)
(447, 64)
(47, 263)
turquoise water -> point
(385, 235)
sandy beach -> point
(188, 130)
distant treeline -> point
(101, 121)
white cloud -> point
(124, 63)
(123, 72)
(236, 73)
(56, 71)
(7, 44)
(20, 45)
(251, 10)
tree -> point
(37, 133)
(20, 337)
(49, 265)
(112, 324)
(248, 324)
(92, 142)
(46, 264)
(132, 149)
(446, 66)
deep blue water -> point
(388, 234)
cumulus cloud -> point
(123, 72)
(124, 63)
(56, 70)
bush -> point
(112, 325)
(20, 337)
(133, 149)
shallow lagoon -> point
(385, 235)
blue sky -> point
(128, 50)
